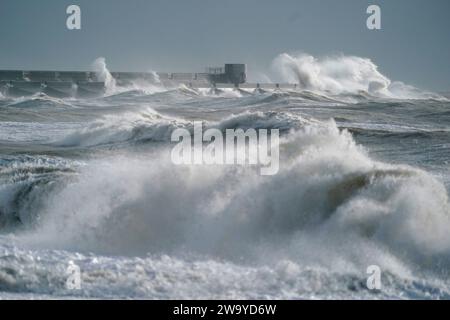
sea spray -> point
(103, 74)
(155, 76)
(92, 182)
(336, 74)
(328, 191)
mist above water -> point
(341, 74)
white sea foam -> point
(330, 206)
(103, 74)
(340, 74)
(91, 181)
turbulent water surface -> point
(363, 181)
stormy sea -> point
(363, 180)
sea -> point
(88, 190)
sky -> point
(413, 45)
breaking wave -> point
(342, 74)
(103, 74)
(329, 203)
(150, 126)
(147, 125)
(91, 181)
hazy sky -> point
(187, 35)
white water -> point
(95, 185)
(342, 74)
(103, 74)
